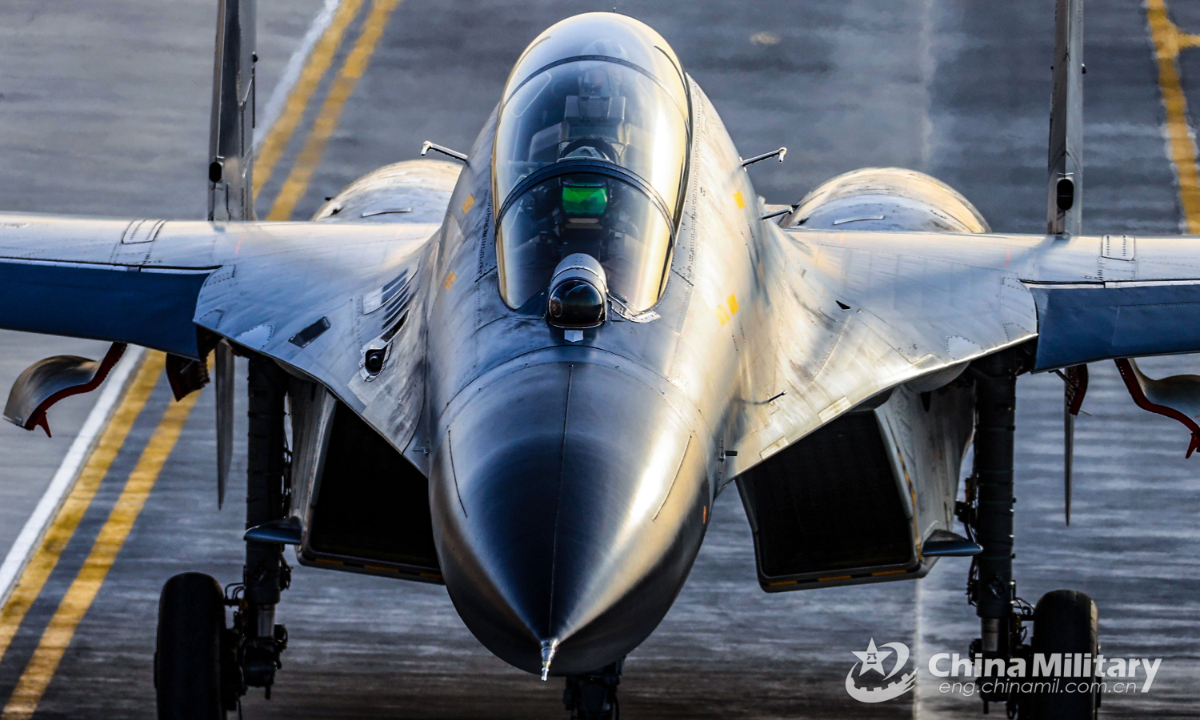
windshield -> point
(602, 214)
(602, 34)
(588, 116)
(593, 109)
(590, 157)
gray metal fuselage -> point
(571, 482)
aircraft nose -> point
(569, 501)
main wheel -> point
(187, 655)
(1064, 621)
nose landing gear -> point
(593, 696)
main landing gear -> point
(202, 668)
(594, 696)
(1064, 621)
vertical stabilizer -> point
(231, 177)
(231, 134)
(1065, 188)
(1065, 207)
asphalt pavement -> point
(104, 110)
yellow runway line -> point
(57, 636)
(331, 112)
(280, 134)
(46, 557)
(1168, 41)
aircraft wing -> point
(857, 314)
(317, 296)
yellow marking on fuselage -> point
(449, 283)
(726, 310)
(1168, 41)
(468, 204)
(62, 529)
(741, 201)
(75, 603)
(331, 112)
(315, 67)
(722, 315)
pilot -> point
(607, 48)
(595, 82)
(590, 148)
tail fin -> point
(1064, 215)
(231, 134)
(1065, 207)
(231, 177)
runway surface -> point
(105, 111)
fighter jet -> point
(526, 372)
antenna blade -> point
(1065, 185)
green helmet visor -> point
(584, 199)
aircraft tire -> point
(1064, 621)
(187, 655)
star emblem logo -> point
(872, 659)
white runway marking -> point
(291, 73)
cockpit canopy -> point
(590, 157)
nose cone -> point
(569, 502)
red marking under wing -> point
(1139, 397)
(38, 417)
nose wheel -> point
(593, 696)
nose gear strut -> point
(593, 696)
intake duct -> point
(827, 510)
(370, 508)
